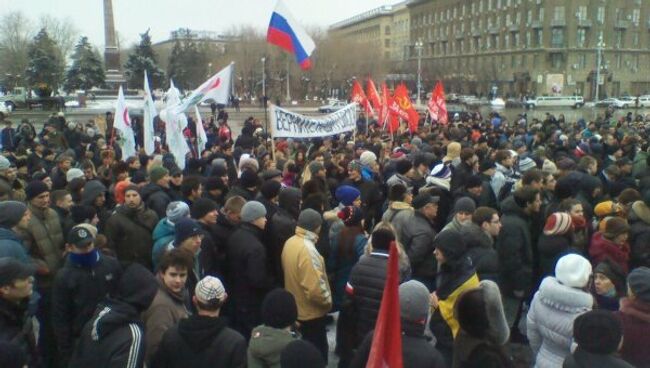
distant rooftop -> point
(373, 13)
(198, 35)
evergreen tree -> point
(143, 58)
(87, 70)
(44, 69)
(188, 61)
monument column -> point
(114, 77)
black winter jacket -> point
(16, 326)
(201, 342)
(371, 200)
(249, 276)
(366, 286)
(156, 198)
(237, 190)
(129, 233)
(282, 226)
(417, 352)
(514, 245)
(583, 359)
(113, 338)
(75, 294)
(639, 241)
(213, 259)
(480, 249)
(417, 237)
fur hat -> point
(558, 223)
(73, 174)
(453, 151)
(614, 227)
(573, 270)
(480, 313)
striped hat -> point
(558, 223)
(441, 171)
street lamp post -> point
(264, 81)
(418, 47)
(599, 52)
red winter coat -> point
(635, 318)
(602, 248)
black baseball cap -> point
(12, 270)
(80, 237)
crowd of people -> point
(527, 232)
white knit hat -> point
(573, 270)
(73, 173)
(368, 158)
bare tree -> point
(63, 32)
(16, 33)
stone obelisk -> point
(114, 76)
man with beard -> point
(9, 182)
(129, 229)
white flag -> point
(175, 123)
(216, 88)
(122, 123)
(201, 137)
(149, 114)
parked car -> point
(556, 101)
(644, 101)
(332, 106)
(615, 103)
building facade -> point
(386, 28)
(537, 47)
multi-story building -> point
(534, 46)
(386, 28)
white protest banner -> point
(287, 124)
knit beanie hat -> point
(310, 220)
(202, 207)
(526, 163)
(300, 354)
(350, 215)
(639, 282)
(82, 213)
(35, 188)
(73, 174)
(157, 173)
(279, 309)
(414, 302)
(464, 204)
(614, 273)
(11, 212)
(132, 188)
(354, 166)
(177, 210)
(368, 158)
(270, 189)
(573, 270)
(403, 166)
(451, 244)
(315, 167)
(184, 229)
(598, 331)
(347, 194)
(441, 171)
(252, 210)
(4, 163)
(248, 179)
(606, 208)
(381, 239)
(614, 227)
(473, 181)
(558, 223)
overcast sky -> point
(162, 16)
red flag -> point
(386, 349)
(437, 105)
(373, 96)
(405, 105)
(357, 95)
(386, 113)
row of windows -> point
(531, 39)
(557, 61)
(559, 13)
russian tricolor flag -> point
(284, 31)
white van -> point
(556, 101)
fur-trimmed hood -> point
(499, 330)
(564, 298)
